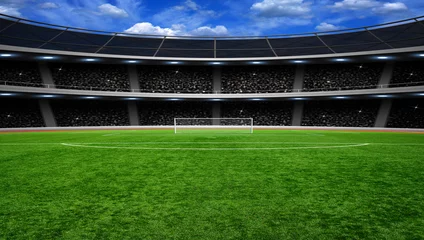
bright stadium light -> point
(48, 96)
(421, 94)
(174, 62)
(340, 60)
(298, 61)
(257, 99)
(382, 96)
(340, 97)
(256, 62)
(215, 63)
(132, 61)
(5, 55)
(299, 98)
(6, 94)
(90, 97)
(174, 99)
(47, 57)
(89, 60)
(131, 98)
(382, 57)
(216, 99)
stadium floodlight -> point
(216, 99)
(216, 63)
(47, 57)
(48, 96)
(132, 61)
(340, 97)
(340, 60)
(298, 61)
(256, 62)
(383, 96)
(89, 60)
(257, 99)
(174, 62)
(5, 55)
(6, 94)
(421, 55)
(90, 97)
(298, 98)
(382, 57)
(174, 99)
(421, 94)
(233, 125)
(131, 98)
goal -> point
(234, 125)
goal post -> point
(236, 125)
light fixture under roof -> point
(174, 99)
(132, 61)
(340, 59)
(131, 98)
(340, 97)
(421, 94)
(90, 97)
(256, 62)
(89, 59)
(257, 99)
(298, 61)
(298, 98)
(382, 96)
(382, 57)
(174, 62)
(5, 55)
(215, 63)
(47, 96)
(47, 57)
(6, 94)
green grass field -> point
(205, 185)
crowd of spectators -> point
(172, 79)
(91, 77)
(18, 113)
(341, 113)
(257, 79)
(20, 74)
(267, 113)
(342, 76)
(407, 113)
(163, 113)
(407, 74)
(74, 113)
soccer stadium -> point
(114, 135)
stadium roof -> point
(26, 33)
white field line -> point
(110, 134)
(215, 149)
(146, 143)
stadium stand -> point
(257, 79)
(22, 113)
(407, 113)
(263, 113)
(408, 74)
(175, 79)
(342, 76)
(355, 113)
(20, 74)
(163, 113)
(90, 113)
(91, 77)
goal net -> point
(197, 125)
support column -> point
(297, 113)
(46, 74)
(47, 113)
(383, 113)
(133, 113)
(217, 79)
(298, 79)
(133, 78)
(216, 113)
(386, 76)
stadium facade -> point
(62, 76)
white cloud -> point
(355, 4)
(208, 31)
(192, 5)
(390, 8)
(323, 27)
(148, 28)
(48, 5)
(12, 11)
(375, 6)
(177, 30)
(282, 8)
(113, 11)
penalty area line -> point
(212, 149)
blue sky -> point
(214, 17)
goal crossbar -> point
(213, 123)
